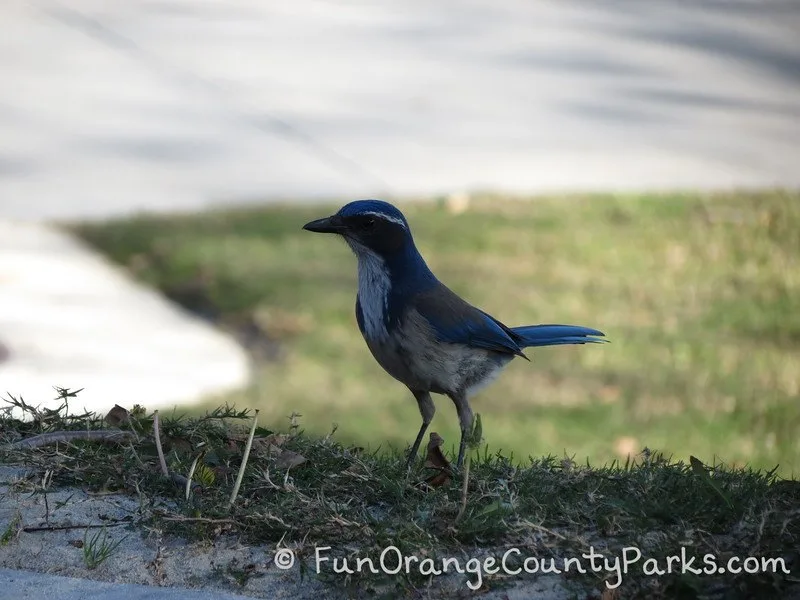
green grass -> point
(359, 503)
(699, 295)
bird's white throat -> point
(374, 285)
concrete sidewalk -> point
(23, 585)
(68, 318)
(108, 108)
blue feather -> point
(482, 331)
(456, 322)
(554, 335)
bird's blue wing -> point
(455, 321)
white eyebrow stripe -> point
(387, 218)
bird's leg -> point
(465, 419)
(427, 410)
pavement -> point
(113, 107)
(70, 319)
(108, 109)
(23, 585)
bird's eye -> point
(369, 223)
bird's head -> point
(368, 226)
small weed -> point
(97, 548)
(12, 530)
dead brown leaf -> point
(177, 443)
(437, 460)
(269, 445)
(276, 439)
(117, 416)
(610, 594)
(288, 459)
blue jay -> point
(420, 331)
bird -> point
(421, 332)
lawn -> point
(698, 294)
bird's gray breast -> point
(413, 355)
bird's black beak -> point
(332, 224)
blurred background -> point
(627, 166)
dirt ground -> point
(47, 533)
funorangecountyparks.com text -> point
(514, 561)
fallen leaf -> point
(272, 438)
(270, 444)
(438, 480)
(117, 416)
(177, 443)
(276, 439)
(288, 459)
(609, 594)
(437, 460)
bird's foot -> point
(411, 463)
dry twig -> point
(56, 437)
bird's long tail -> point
(553, 335)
